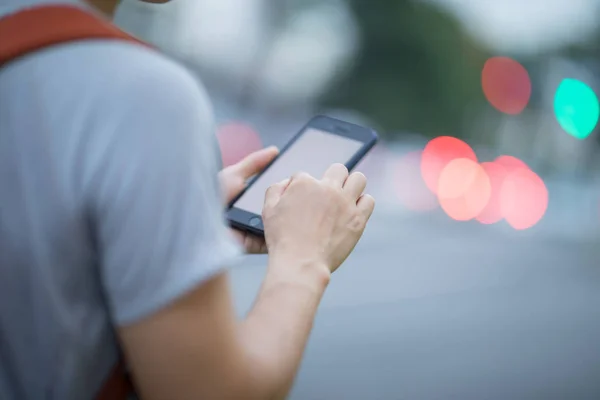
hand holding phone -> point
(322, 142)
(316, 221)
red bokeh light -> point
(505, 188)
(492, 212)
(523, 199)
(409, 186)
(510, 163)
(464, 189)
(438, 153)
(236, 141)
(506, 85)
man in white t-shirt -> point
(112, 234)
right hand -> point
(317, 221)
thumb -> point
(255, 162)
(274, 193)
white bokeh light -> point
(221, 36)
(313, 48)
(525, 26)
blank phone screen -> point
(313, 152)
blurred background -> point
(479, 274)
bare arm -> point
(277, 329)
(196, 349)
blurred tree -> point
(417, 71)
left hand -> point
(233, 181)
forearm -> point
(278, 326)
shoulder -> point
(125, 75)
(106, 77)
(108, 105)
(126, 103)
(131, 98)
(141, 108)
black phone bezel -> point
(240, 219)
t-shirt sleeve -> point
(156, 205)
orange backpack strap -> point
(36, 28)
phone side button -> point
(255, 221)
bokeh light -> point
(492, 212)
(506, 85)
(510, 163)
(464, 189)
(236, 141)
(436, 156)
(409, 187)
(524, 198)
(576, 108)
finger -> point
(255, 162)
(336, 175)
(231, 184)
(355, 185)
(300, 176)
(366, 205)
(300, 179)
(253, 245)
(261, 246)
(274, 193)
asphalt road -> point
(430, 309)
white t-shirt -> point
(109, 206)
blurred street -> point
(420, 311)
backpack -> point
(40, 27)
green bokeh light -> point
(576, 108)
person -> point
(112, 235)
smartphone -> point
(322, 142)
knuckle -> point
(267, 212)
(357, 222)
(269, 193)
(301, 179)
(331, 192)
(302, 176)
(359, 176)
(369, 202)
(340, 166)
